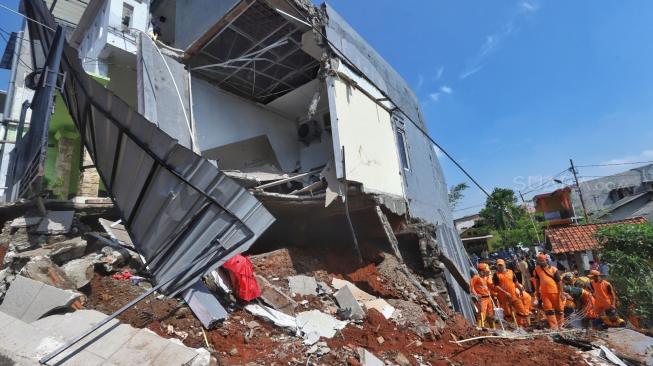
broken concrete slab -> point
(347, 302)
(367, 358)
(65, 251)
(80, 271)
(29, 300)
(25, 221)
(382, 306)
(324, 288)
(117, 232)
(42, 269)
(629, 344)
(318, 322)
(359, 294)
(204, 305)
(56, 222)
(302, 285)
(274, 297)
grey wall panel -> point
(195, 17)
(178, 208)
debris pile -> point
(305, 306)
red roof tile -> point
(578, 238)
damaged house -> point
(307, 125)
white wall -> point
(222, 119)
(365, 130)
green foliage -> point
(456, 194)
(508, 222)
(628, 250)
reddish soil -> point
(368, 279)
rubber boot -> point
(560, 319)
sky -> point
(514, 89)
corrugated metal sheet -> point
(176, 206)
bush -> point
(628, 250)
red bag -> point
(241, 273)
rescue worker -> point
(506, 284)
(605, 298)
(612, 320)
(549, 291)
(481, 295)
(584, 303)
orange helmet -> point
(542, 256)
(501, 262)
(483, 267)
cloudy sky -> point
(513, 89)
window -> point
(127, 15)
(403, 150)
(619, 193)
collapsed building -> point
(314, 136)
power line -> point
(26, 17)
(467, 208)
(614, 164)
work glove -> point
(475, 298)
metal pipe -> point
(346, 202)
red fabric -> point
(242, 277)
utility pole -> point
(580, 192)
(531, 217)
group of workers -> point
(591, 297)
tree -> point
(456, 194)
(628, 251)
(508, 222)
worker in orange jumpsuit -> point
(527, 302)
(549, 291)
(584, 303)
(481, 295)
(605, 298)
(506, 283)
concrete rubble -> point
(312, 310)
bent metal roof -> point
(578, 238)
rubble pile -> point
(315, 307)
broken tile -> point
(324, 288)
(347, 302)
(359, 294)
(277, 317)
(316, 321)
(382, 306)
(274, 297)
(56, 222)
(117, 232)
(302, 285)
(29, 300)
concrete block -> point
(56, 222)
(5, 319)
(80, 271)
(43, 270)
(65, 251)
(347, 301)
(141, 349)
(382, 306)
(25, 221)
(302, 285)
(368, 359)
(274, 297)
(29, 300)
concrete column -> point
(62, 167)
(89, 179)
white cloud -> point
(529, 6)
(446, 89)
(420, 81)
(646, 155)
(470, 72)
(434, 96)
(439, 73)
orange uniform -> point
(479, 287)
(604, 296)
(549, 294)
(509, 301)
